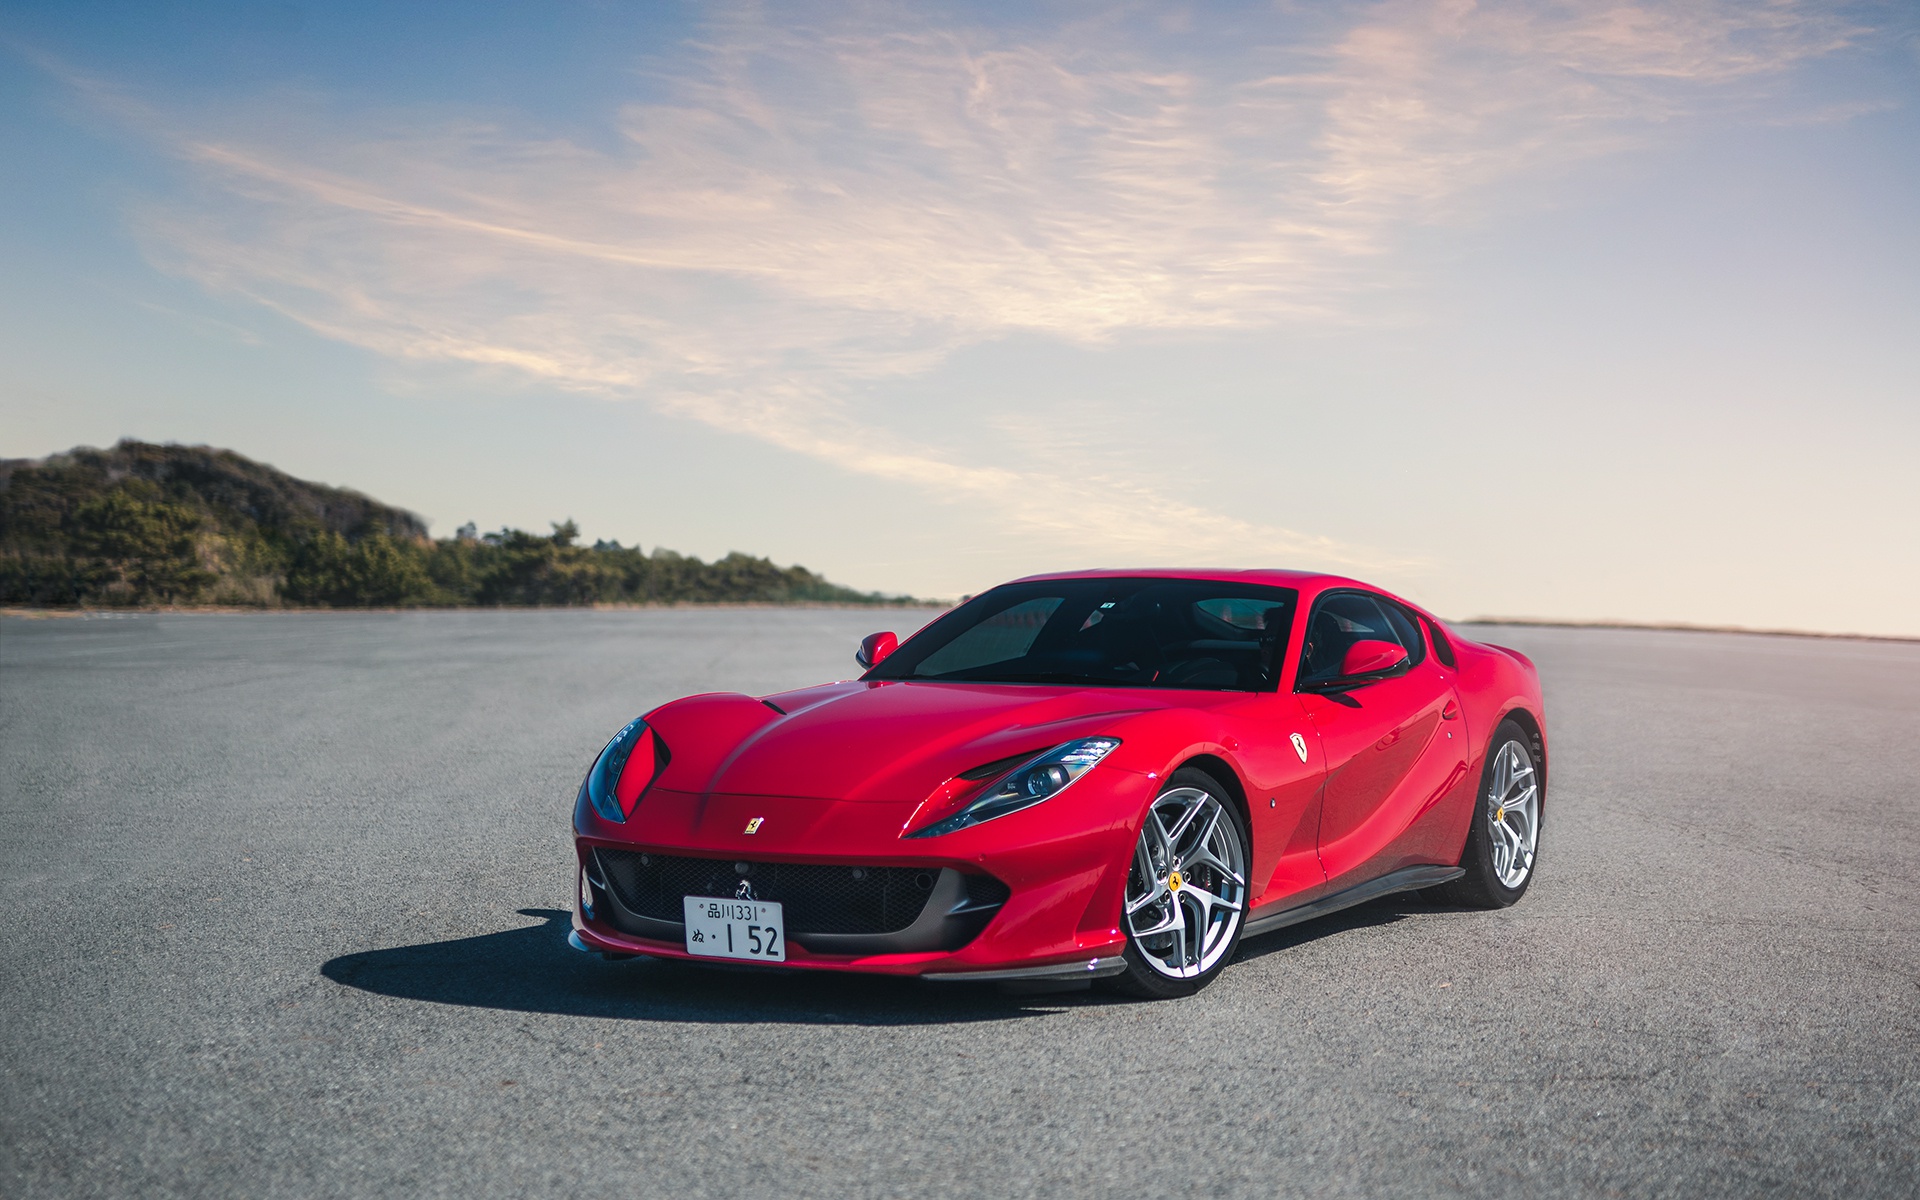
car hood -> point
(882, 742)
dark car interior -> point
(1342, 618)
(1113, 632)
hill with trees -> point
(145, 524)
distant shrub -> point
(142, 548)
(373, 572)
(148, 524)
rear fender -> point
(1496, 683)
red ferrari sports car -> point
(1098, 775)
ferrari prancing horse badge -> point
(1299, 747)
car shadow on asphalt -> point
(532, 969)
(1387, 910)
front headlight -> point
(1026, 785)
(623, 771)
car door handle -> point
(1451, 712)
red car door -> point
(1283, 773)
(1391, 738)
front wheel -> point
(1186, 899)
(1505, 835)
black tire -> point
(1481, 886)
(1142, 978)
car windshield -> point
(1169, 633)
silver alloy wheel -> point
(1513, 815)
(1187, 889)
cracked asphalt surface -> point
(286, 904)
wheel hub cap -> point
(1187, 888)
(1513, 809)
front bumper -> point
(1062, 865)
(1067, 972)
(845, 910)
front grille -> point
(815, 898)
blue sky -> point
(1573, 311)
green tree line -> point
(145, 524)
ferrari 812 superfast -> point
(1099, 775)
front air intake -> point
(831, 908)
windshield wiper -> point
(1033, 677)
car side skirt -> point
(1097, 968)
(1406, 879)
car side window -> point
(1442, 648)
(1408, 628)
(1342, 618)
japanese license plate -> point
(752, 929)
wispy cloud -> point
(822, 205)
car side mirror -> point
(1365, 657)
(873, 648)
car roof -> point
(1309, 583)
(1272, 577)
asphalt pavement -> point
(285, 915)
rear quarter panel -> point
(1496, 683)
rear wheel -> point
(1186, 898)
(1505, 836)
